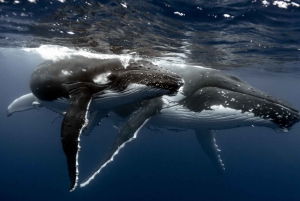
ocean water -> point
(258, 41)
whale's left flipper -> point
(208, 143)
(74, 121)
(128, 132)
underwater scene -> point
(150, 100)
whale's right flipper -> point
(74, 121)
(208, 143)
(128, 132)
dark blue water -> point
(259, 41)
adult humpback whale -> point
(77, 85)
(208, 101)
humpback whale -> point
(208, 101)
(77, 85)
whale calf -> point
(77, 85)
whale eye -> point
(65, 72)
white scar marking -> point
(102, 78)
(65, 72)
(112, 158)
(124, 5)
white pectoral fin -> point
(208, 143)
(25, 102)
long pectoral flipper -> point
(208, 143)
(128, 132)
(73, 123)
